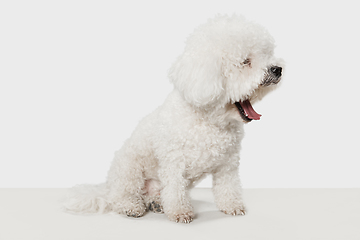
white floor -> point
(272, 214)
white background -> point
(77, 76)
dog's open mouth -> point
(246, 111)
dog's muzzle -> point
(272, 76)
(276, 71)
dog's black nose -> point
(276, 71)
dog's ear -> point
(198, 77)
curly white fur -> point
(197, 131)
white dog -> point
(227, 65)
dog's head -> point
(227, 61)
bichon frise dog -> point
(227, 65)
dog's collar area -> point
(246, 111)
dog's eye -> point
(247, 62)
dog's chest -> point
(207, 148)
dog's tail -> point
(87, 199)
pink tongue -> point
(250, 112)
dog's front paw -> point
(182, 217)
(234, 209)
(136, 213)
(130, 210)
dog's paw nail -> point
(236, 211)
(184, 218)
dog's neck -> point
(219, 116)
